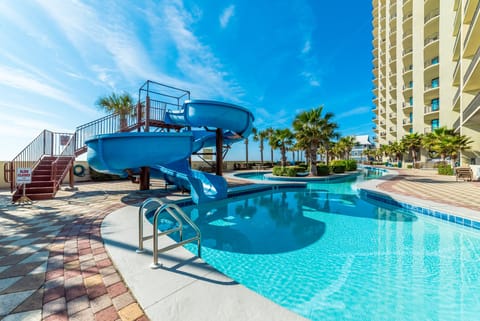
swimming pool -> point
(326, 254)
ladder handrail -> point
(174, 211)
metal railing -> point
(47, 143)
(67, 153)
(179, 216)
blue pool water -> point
(326, 254)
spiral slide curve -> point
(167, 153)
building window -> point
(410, 100)
(411, 117)
(435, 82)
(411, 130)
(435, 60)
(435, 104)
(410, 84)
(435, 124)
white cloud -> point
(354, 111)
(306, 47)
(22, 80)
(311, 78)
(226, 15)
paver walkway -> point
(428, 185)
(53, 265)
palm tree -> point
(446, 142)
(269, 133)
(119, 104)
(412, 143)
(396, 149)
(283, 138)
(313, 129)
(260, 136)
(346, 145)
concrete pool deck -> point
(73, 258)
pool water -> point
(326, 254)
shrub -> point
(444, 169)
(291, 171)
(338, 166)
(323, 170)
(409, 166)
(350, 165)
(277, 170)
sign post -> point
(24, 176)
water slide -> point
(167, 153)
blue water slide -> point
(167, 153)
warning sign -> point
(24, 175)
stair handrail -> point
(30, 156)
(108, 124)
(175, 212)
(68, 151)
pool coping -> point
(190, 289)
(371, 190)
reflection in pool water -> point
(327, 254)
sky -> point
(277, 58)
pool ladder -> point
(174, 211)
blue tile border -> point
(380, 197)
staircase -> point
(50, 156)
(47, 176)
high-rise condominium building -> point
(426, 67)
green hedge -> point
(338, 166)
(323, 170)
(350, 165)
(444, 169)
(290, 171)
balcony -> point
(472, 39)
(432, 15)
(407, 17)
(383, 134)
(430, 39)
(429, 109)
(406, 52)
(407, 122)
(392, 129)
(406, 105)
(456, 75)
(472, 108)
(472, 75)
(469, 11)
(456, 124)
(456, 48)
(456, 101)
(392, 115)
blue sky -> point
(276, 58)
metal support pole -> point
(219, 152)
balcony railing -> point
(407, 16)
(392, 129)
(392, 115)
(456, 124)
(471, 24)
(430, 87)
(431, 39)
(429, 63)
(472, 107)
(431, 15)
(406, 105)
(456, 96)
(429, 109)
(472, 65)
(407, 51)
(407, 121)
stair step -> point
(41, 178)
(39, 190)
(40, 184)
